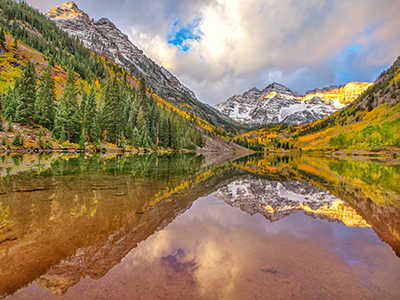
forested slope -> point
(60, 94)
(370, 123)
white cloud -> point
(248, 43)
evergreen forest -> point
(99, 104)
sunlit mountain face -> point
(278, 104)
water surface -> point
(179, 226)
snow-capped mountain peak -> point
(278, 104)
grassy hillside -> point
(370, 123)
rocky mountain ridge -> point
(103, 37)
(278, 104)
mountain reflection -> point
(63, 218)
(276, 200)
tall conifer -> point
(131, 121)
(45, 101)
(27, 96)
(83, 104)
(112, 112)
(68, 114)
(90, 123)
(2, 37)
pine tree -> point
(27, 96)
(126, 110)
(141, 126)
(68, 114)
(147, 143)
(162, 132)
(110, 118)
(82, 141)
(45, 102)
(186, 140)
(199, 141)
(2, 38)
(135, 138)
(131, 122)
(142, 95)
(152, 120)
(63, 135)
(9, 125)
(83, 104)
(17, 140)
(7, 106)
(173, 133)
(90, 122)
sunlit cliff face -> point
(340, 96)
(68, 10)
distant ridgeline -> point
(371, 122)
(94, 100)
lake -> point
(179, 226)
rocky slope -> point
(277, 200)
(278, 104)
(103, 37)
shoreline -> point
(112, 150)
(378, 154)
(341, 152)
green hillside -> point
(371, 123)
(57, 94)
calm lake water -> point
(198, 226)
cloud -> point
(223, 47)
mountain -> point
(95, 105)
(103, 37)
(369, 124)
(342, 95)
(278, 104)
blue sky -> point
(219, 48)
(183, 35)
